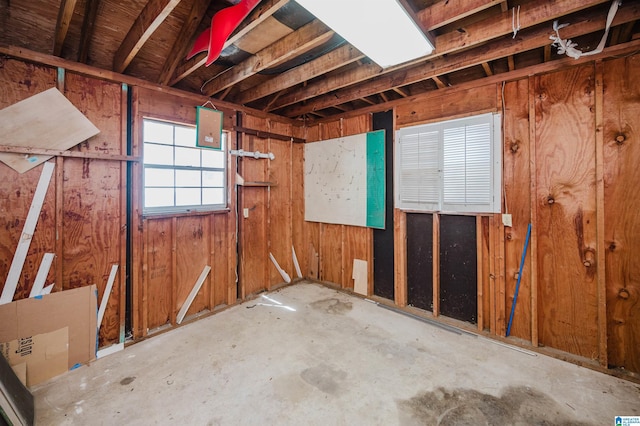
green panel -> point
(375, 179)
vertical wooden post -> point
(59, 249)
(124, 272)
(534, 211)
(479, 261)
(174, 269)
(138, 244)
(500, 278)
(436, 264)
(400, 257)
(492, 276)
(600, 229)
(232, 225)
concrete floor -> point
(311, 355)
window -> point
(178, 176)
(452, 166)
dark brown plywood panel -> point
(280, 204)
(517, 202)
(622, 204)
(158, 290)
(331, 253)
(458, 268)
(566, 216)
(192, 255)
(420, 260)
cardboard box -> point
(44, 356)
(75, 309)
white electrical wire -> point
(515, 25)
(568, 47)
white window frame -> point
(420, 179)
(176, 208)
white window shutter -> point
(419, 186)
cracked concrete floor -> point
(307, 354)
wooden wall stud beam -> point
(153, 14)
(74, 154)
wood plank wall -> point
(570, 148)
(336, 245)
(83, 219)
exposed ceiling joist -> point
(88, 27)
(445, 12)
(262, 12)
(473, 35)
(487, 68)
(153, 14)
(183, 42)
(307, 37)
(584, 23)
(333, 60)
(62, 26)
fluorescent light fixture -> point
(381, 29)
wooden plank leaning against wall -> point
(336, 245)
(83, 220)
(551, 129)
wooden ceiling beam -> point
(439, 82)
(88, 27)
(62, 25)
(153, 14)
(298, 42)
(184, 40)
(533, 38)
(400, 92)
(333, 60)
(445, 12)
(487, 68)
(263, 11)
(511, 63)
(475, 34)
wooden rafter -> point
(440, 82)
(182, 43)
(486, 66)
(511, 63)
(62, 25)
(533, 38)
(263, 11)
(333, 60)
(400, 92)
(302, 40)
(153, 14)
(88, 26)
(475, 34)
(547, 53)
(445, 12)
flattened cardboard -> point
(76, 309)
(45, 355)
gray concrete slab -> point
(311, 355)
